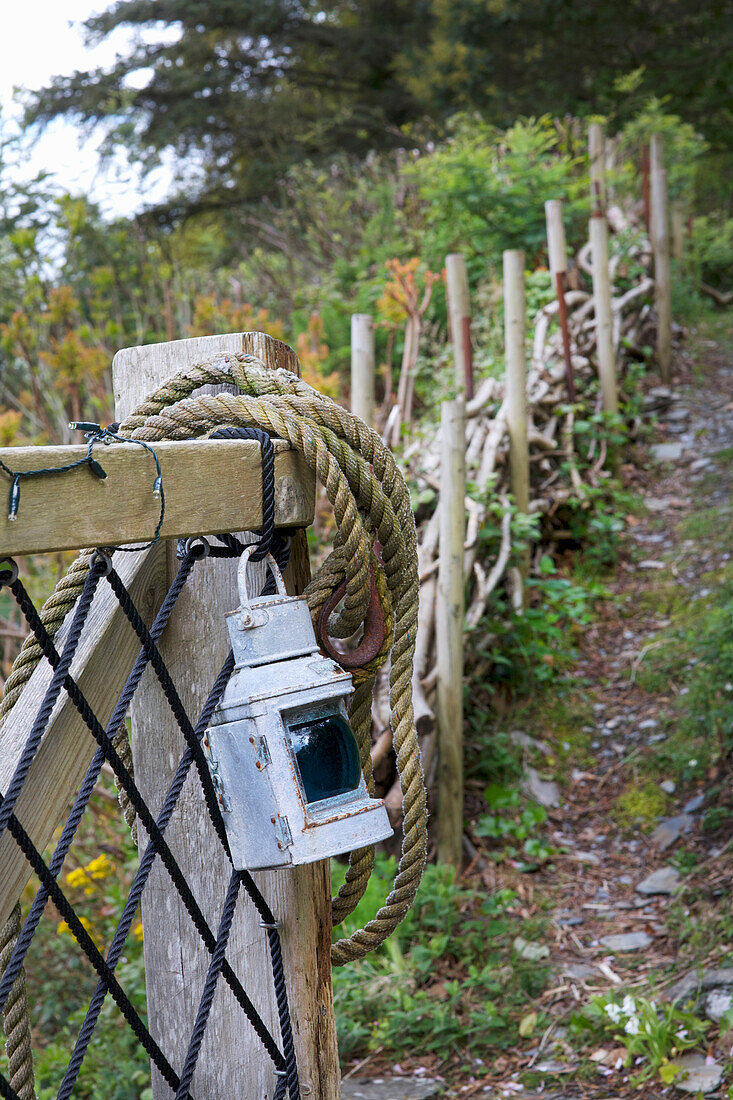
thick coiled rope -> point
(16, 1018)
(370, 499)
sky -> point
(43, 38)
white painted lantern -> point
(282, 754)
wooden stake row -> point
(447, 596)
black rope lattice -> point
(102, 571)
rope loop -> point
(8, 572)
(198, 547)
(370, 499)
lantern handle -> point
(243, 572)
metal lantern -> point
(282, 754)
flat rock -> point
(667, 452)
(694, 804)
(544, 791)
(692, 984)
(585, 857)
(517, 737)
(670, 830)
(663, 881)
(668, 786)
(627, 941)
(552, 1065)
(698, 1075)
(532, 951)
(389, 1088)
(717, 1003)
(656, 504)
(579, 972)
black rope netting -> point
(102, 571)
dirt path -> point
(632, 803)
(634, 787)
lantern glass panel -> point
(327, 756)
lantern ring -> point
(374, 627)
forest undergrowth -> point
(592, 717)
(503, 981)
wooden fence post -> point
(660, 246)
(598, 233)
(558, 267)
(362, 367)
(232, 1061)
(516, 377)
(459, 312)
(449, 620)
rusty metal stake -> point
(645, 186)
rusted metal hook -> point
(374, 629)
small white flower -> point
(629, 1006)
(682, 1033)
(632, 1025)
(614, 1012)
(692, 763)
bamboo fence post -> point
(232, 1061)
(449, 618)
(558, 267)
(598, 234)
(662, 280)
(362, 367)
(459, 312)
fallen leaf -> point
(528, 1024)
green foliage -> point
(485, 190)
(61, 981)
(529, 648)
(698, 652)
(248, 90)
(713, 250)
(711, 687)
(683, 145)
(601, 58)
(115, 1067)
(640, 804)
(446, 981)
(244, 90)
(653, 1034)
(510, 822)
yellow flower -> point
(77, 877)
(138, 931)
(101, 867)
(63, 929)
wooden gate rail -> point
(210, 486)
